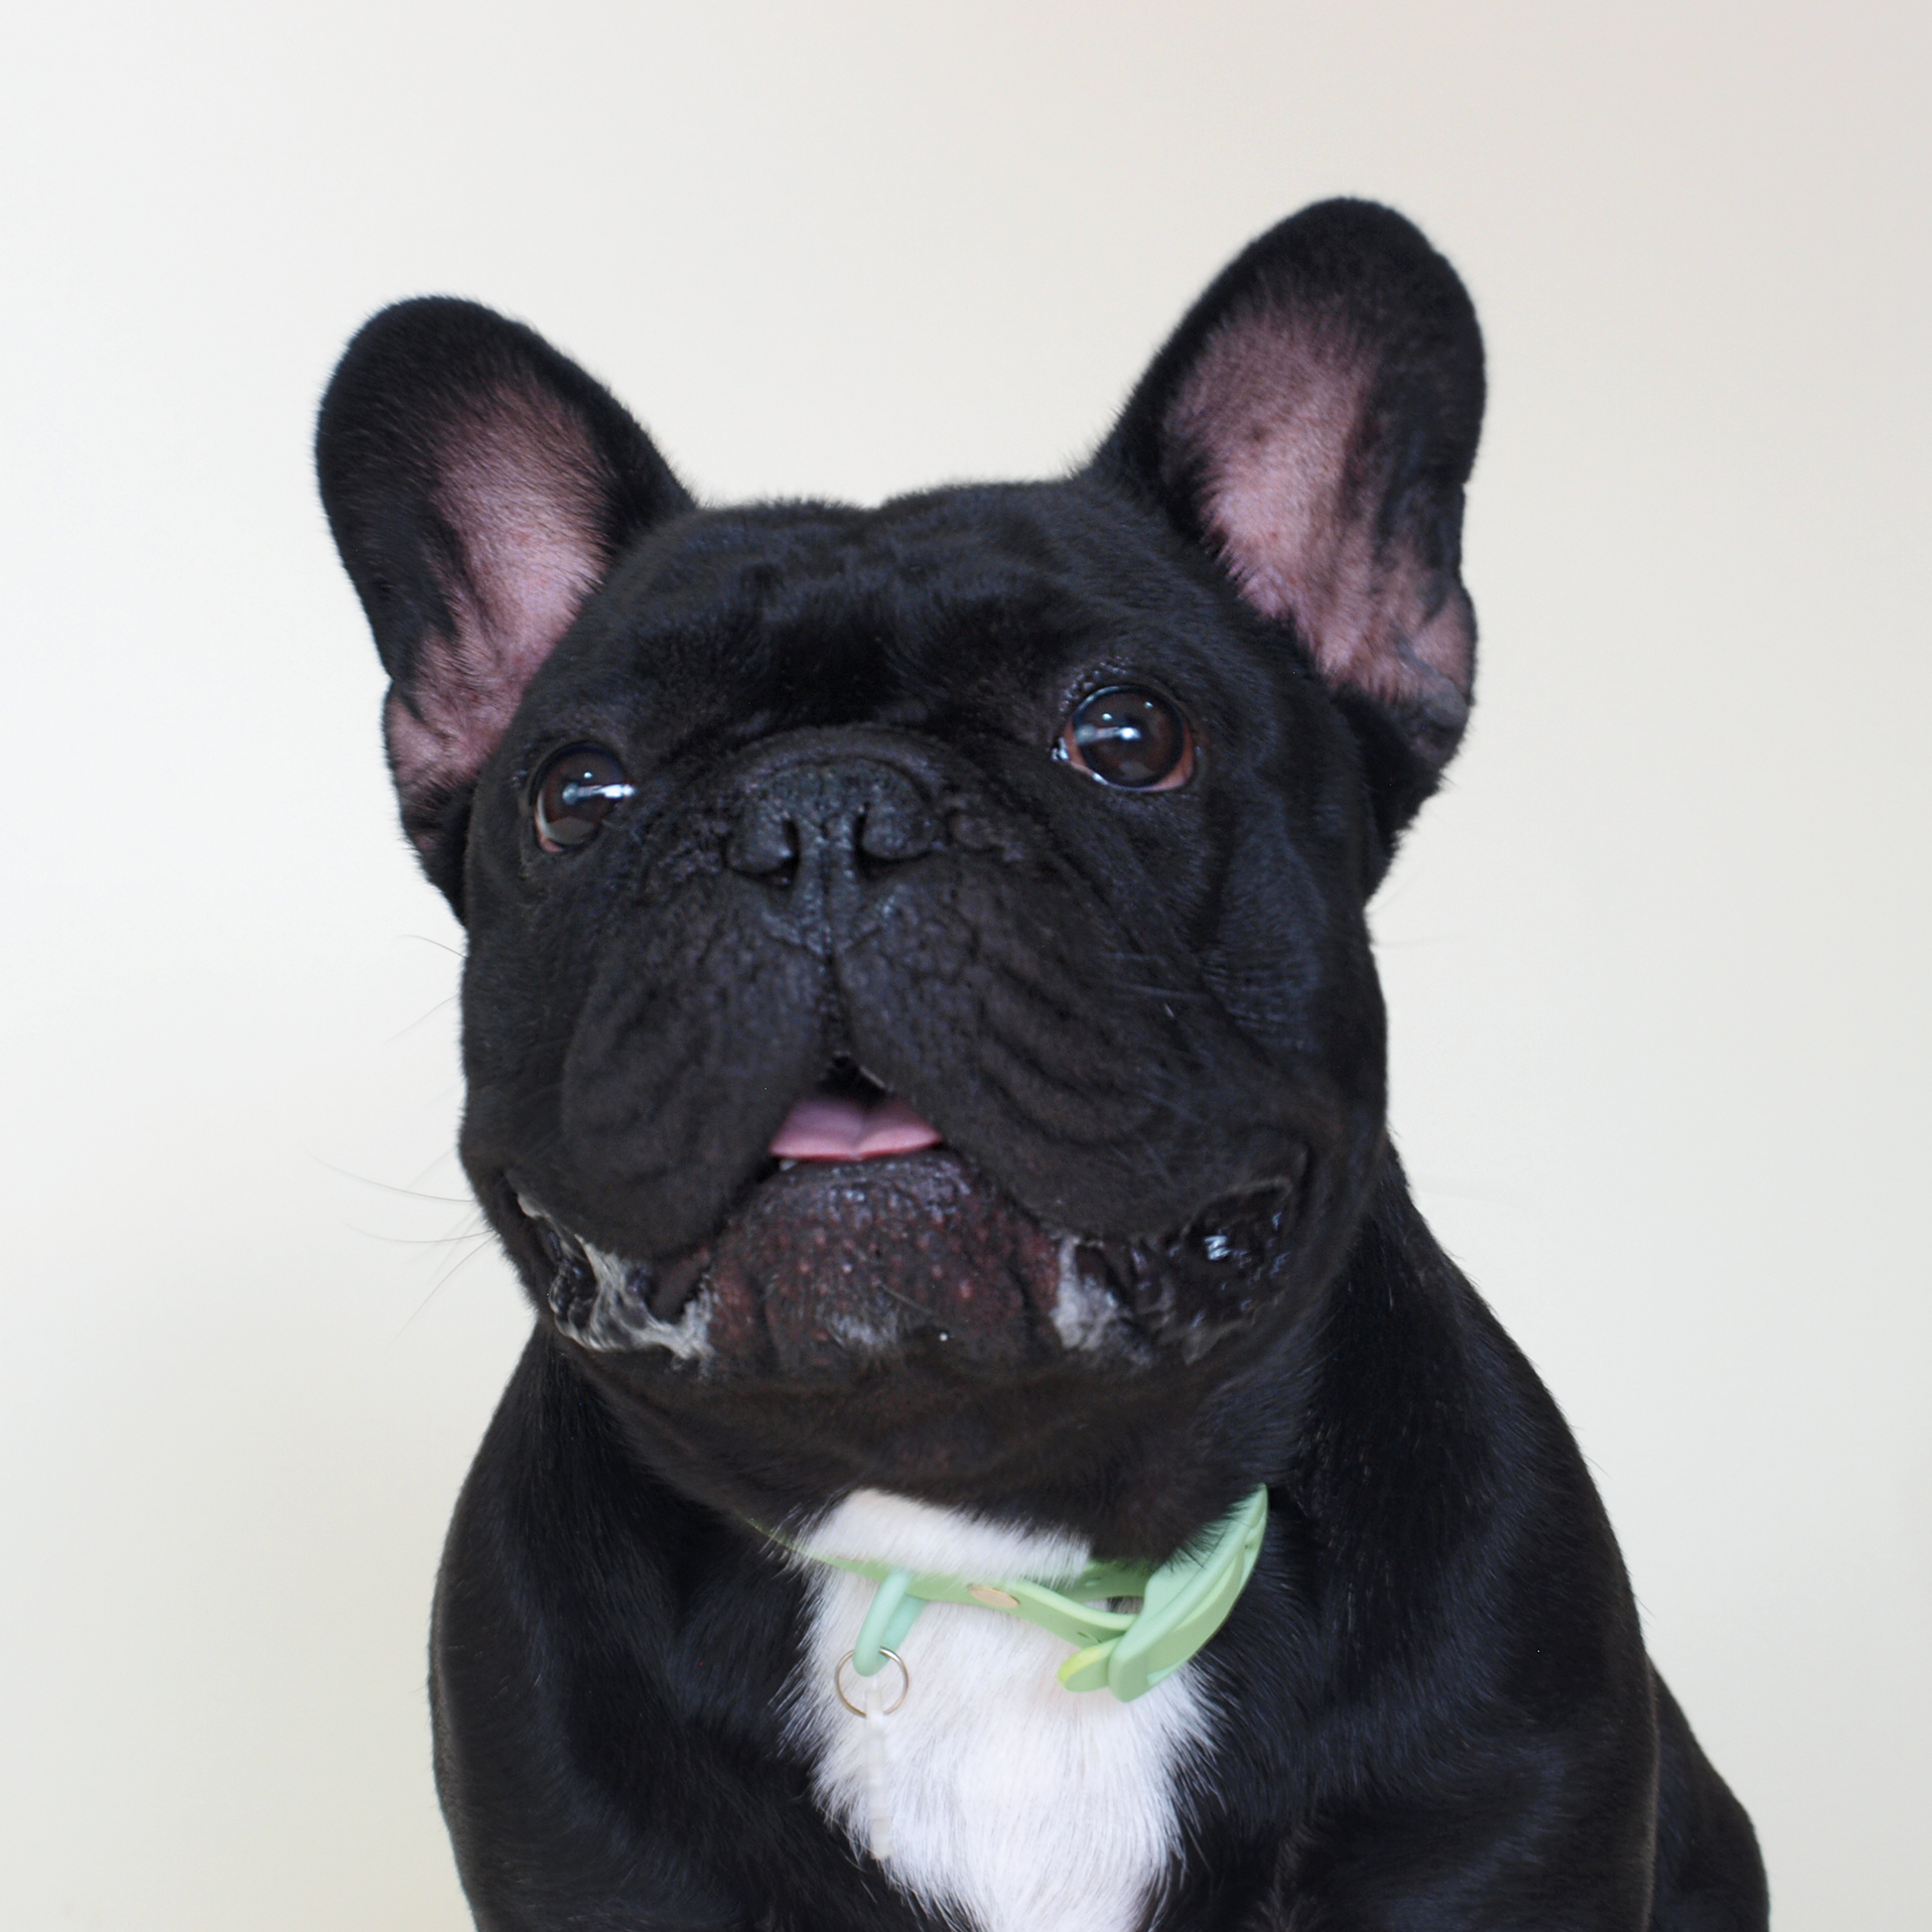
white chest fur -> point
(1016, 1805)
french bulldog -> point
(925, 1063)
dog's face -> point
(918, 1020)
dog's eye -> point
(1129, 738)
(576, 794)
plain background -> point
(1658, 959)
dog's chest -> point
(1015, 1803)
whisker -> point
(436, 1288)
(390, 1187)
(404, 1032)
(418, 1240)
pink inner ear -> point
(520, 488)
(1275, 412)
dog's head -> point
(919, 1021)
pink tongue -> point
(822, 1128)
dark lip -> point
(1186, 1287)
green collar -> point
(1183, 1603)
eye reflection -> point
(1130, 739)
(578, 791)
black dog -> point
(926, 1061)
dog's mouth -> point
(863, 1236)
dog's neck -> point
(873, 1526)
(1175, 1606)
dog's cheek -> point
(522, 993)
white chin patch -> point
(1084, 1315)
(620, 1319)
(1016, 1805)
(616, 1317)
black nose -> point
(827, 836)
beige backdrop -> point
(1658, 961)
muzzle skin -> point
(922, 1045)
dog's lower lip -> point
(673, 1285)
(575, 1279)
(1187, 1288)
(1205, 1280)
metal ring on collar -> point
(859, 1710)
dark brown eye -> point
(578, 791)
(1129, 738)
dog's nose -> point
(831, 828)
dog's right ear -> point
(480, 487)
(1312, 423)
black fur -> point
(1147, 1026)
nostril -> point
(765, 845)
(791, 843)
(848, 818)
(893, 830)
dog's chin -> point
(829, 1270)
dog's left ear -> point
(1312, 423)
(480, 487)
